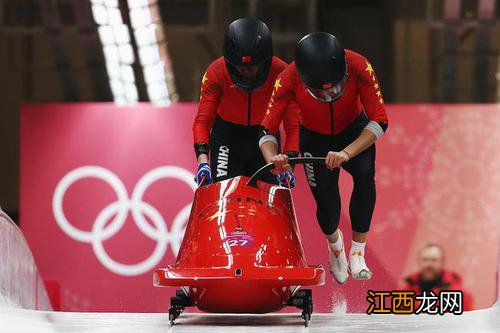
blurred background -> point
(437, 61)
(432, 51)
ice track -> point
(22, 320)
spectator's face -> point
(431, 263)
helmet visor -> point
(249, 77)
(248, 72)
(330, 94)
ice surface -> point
(21, 320)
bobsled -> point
(242, 251)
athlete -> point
(341, 115)
(235, 91)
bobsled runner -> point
(242, 251)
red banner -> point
(106, 193)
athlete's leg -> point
(323, 184)
(362, 169)
(324, 187)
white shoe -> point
(358, 268)
(338, 262)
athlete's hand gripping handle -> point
(292, 161)
(203, 175)
(286, 179)
(281, 164)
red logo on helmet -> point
(246, 59)
(327, 86)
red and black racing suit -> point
(229, 118)
(332, 126)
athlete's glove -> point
(204, 175)
(286, 179)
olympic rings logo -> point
(102, 231)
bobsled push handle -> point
(294, 160)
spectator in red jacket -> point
(432, 276)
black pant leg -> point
(362, 205)
(323, 183)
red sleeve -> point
(281, 109)
(370, 91)
(211, 92)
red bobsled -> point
(241, 252)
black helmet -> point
(321, 63)
(248, 52)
